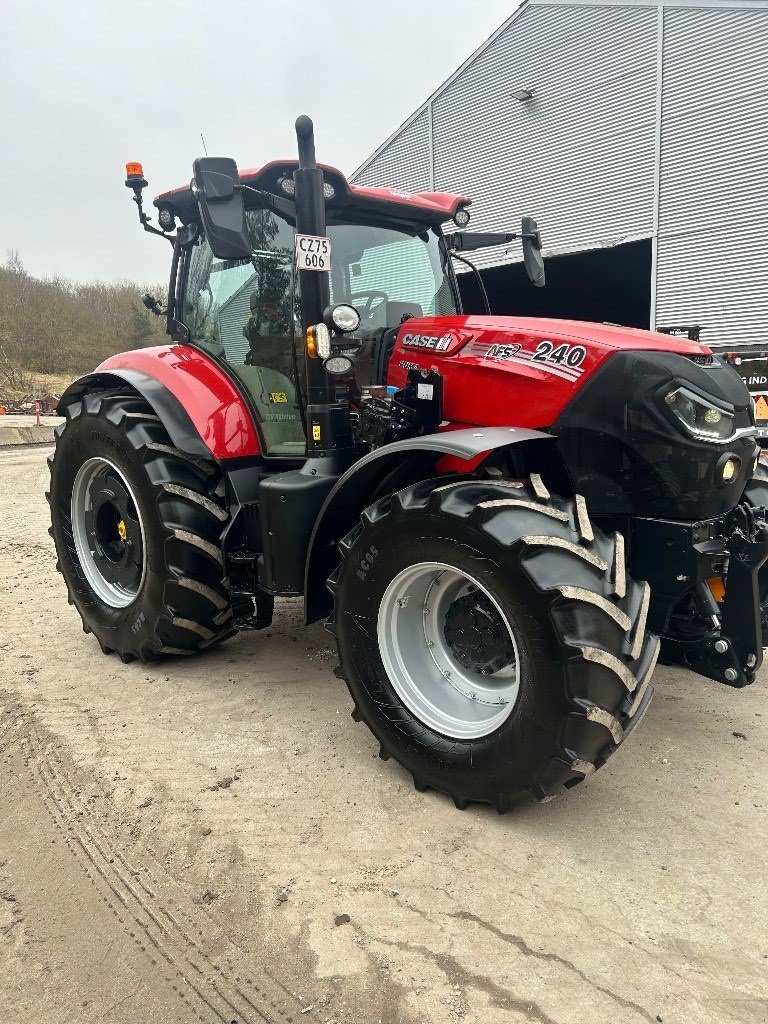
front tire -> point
(756, 493)
(531, 668)
(138, 528)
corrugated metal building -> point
(636, 132)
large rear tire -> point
(137, 526)
(490, 638)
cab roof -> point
(429, 207)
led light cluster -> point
(698, 417)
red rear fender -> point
(211, 401)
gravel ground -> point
(214, 840)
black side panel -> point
(172, 413)
(626, 455)
(289, 504)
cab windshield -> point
(388, 272)
(242, 312)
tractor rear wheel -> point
(490, 638)
(137, 526)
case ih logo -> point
(427, 341)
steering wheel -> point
(369, 295)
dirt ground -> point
(214, 840)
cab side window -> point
(241, 312)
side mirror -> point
(216, 186)
(532, 258)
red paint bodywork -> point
(515, 391)
(478, 388)
(211, 400)
(430, 206)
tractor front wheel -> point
(756, 493)
(490, 638)
(137, 526)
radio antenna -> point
(204, 145)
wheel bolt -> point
(721, 646)
(730, 674)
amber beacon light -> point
(134, 175)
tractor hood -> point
(522, 371)
(513, 329)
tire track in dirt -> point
(147, 902)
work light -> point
(165, 218)
(461, 217)
(343, 317)
(338, 366)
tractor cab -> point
(389, 260)
(247, 313)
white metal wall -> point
(578, 156)
(712, 249)
(649, 120)
(406, 162)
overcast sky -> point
(90, 84)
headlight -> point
(698, 417)
(343, 317)
(728, 468)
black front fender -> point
(171, 412)
(396, 465)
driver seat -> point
(395, 312)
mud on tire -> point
(182, 601)
(584, 656)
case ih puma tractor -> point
(503, 521)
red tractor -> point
(503, 521)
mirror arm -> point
(145, 220)
(469, 241)
(478, 279)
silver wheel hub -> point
(108, 533)
(448, 650)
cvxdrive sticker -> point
(560, 360)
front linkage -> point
(682, 562)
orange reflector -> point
(716, 585)
(312, 342)
(134, 170)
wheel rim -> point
(108, 532)
(449, 650)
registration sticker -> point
(313, 252)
